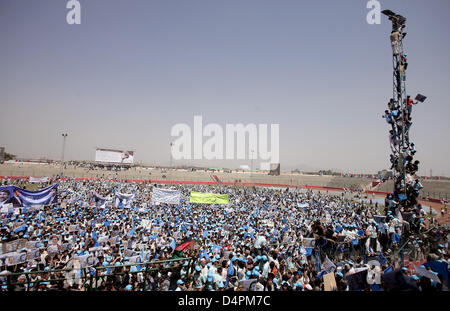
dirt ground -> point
(445, 219)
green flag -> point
(209, 198)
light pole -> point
(252, 160)
(171, 144)
(251, 169)
(64, 135)
(64, 147)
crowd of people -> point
(265, 239)
(112, 235)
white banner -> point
(134, 259)
(167, 196)
(100, 201)
(32, 244)
(123, 198)
(13, 246)
(114, 156)
(85, 260)
(33, 254)
(66, 247)
(73, 228)
(38, 179)
(103, 240)
(6, 208)
(129, 253)
(16, 258)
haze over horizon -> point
(133, 69)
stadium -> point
(138, 219)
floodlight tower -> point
(64, 136)
(171, 144)
(400, 112)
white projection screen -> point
(114, 156)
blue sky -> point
(133, 69)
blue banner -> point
(21, 197)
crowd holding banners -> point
(285, 240)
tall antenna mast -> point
(398, 115)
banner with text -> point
(209, 198)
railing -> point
(405, 251)
(89, 279)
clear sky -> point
(134, 68)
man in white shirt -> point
(260, 243)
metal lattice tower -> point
(398, 115)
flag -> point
(381, 259)
(183, 246)
(95, 237)
(440, 267)
(173, 244)
(396, 238)
(319, 276)
(180, 249)
(21, 228)
(22, 197)
(209, 198)
(230, 270)
(99, 200)
(397, 281)
(357, 281)
(204, 254)
(328, 266)
(132, 231)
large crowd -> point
(264, 239)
